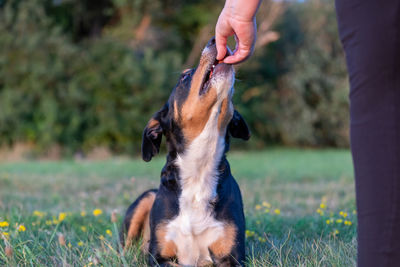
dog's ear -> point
(237, 127)
(152, 135)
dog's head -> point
(201, 99)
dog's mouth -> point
(208, 76)
(213, 69)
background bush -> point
(82, 75)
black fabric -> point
(369, 31)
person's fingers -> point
(239, 56)
(245, 36)
(220, 42)
(241, 53)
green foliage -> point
(97, 93)
(315, 108)
(295, 90)
(80, 77)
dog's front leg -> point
(162, 251)
(229, 250)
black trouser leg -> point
(369, 31)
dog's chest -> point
(195, 228)
(192, 234)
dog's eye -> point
(185, 75)
(186, 71)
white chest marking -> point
(195, 229)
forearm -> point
(242, 10)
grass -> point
(299, 207)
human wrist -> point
(241, 10)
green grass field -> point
(299, 207)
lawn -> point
(299, 206)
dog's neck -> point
(198, 166)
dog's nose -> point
(211, 42)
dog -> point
(195, 218)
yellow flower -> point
(339, 221)
(69, 245)
(83, 214)
(38, 213)
(320, 212)
(4, 224)
(343, 214)
(21, 228)
(322, 206)
(83, 228)
(108, 232)
(328, 221)
(266, 204)
(6, 234)
(249, 233)
(277, 211)
(348, 223)
(262, 239)
(61, 216)
(80, 243)
(49, 222)
(336, 232)
(97, 212)
(258, 207)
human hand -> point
(243, 28)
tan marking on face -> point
(139, 223)
(223, 246)
(167, 248)
(176, 111)
(196, 110)
(225, 115)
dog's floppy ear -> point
(152, 135)
(237, 127)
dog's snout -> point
(211, 42)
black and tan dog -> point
(196, 217)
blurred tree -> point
(96, 93)
(316, 87)
(83, 74)
(296, 88)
